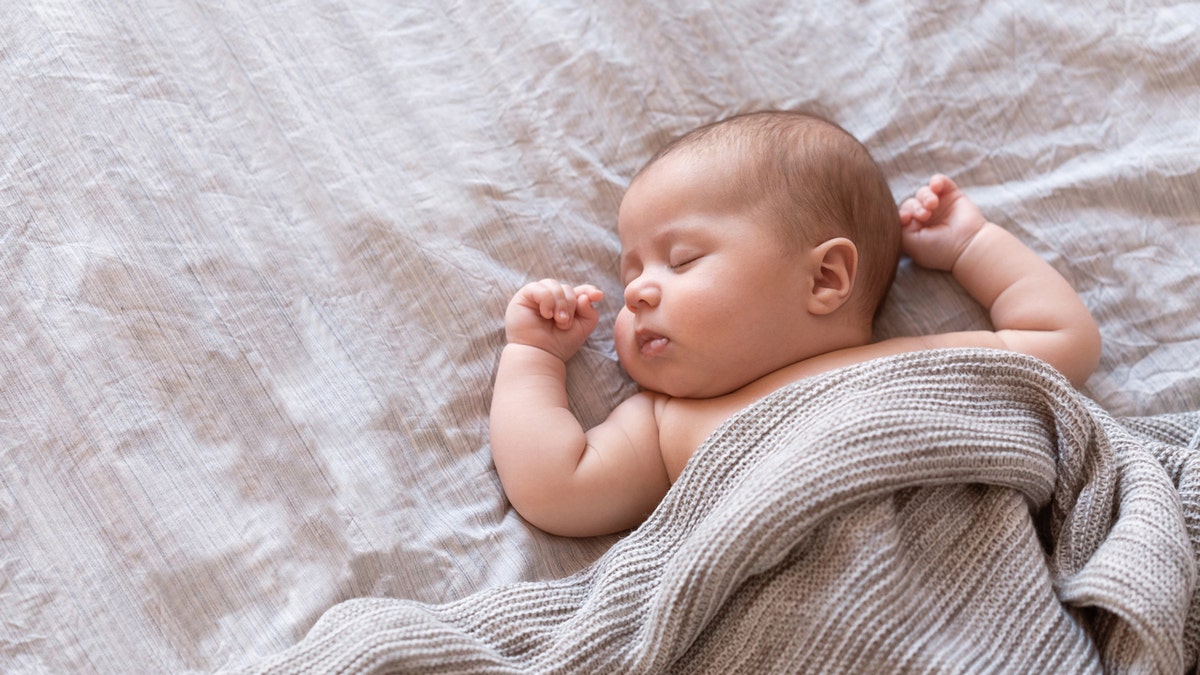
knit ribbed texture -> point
(954, 510)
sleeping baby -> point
(755, 251)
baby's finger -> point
(546, 296)
(911, 210)
(928, 198)
(589, 291)
(940, 184)
(564, 310)
(585, 296)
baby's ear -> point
(834, 264)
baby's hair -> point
(815, 178)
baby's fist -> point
(937, 223)
(552, 316)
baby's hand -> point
(552, 316)
(937, 223)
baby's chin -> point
(645, 381)
(676, 387)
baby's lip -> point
(650, 343)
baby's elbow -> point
(533, 503)
(548, 509)
(546, 519)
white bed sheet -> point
(254, 260)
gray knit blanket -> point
(952, 510)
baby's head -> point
(748, 245)
(812, 180)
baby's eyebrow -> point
(661, 237)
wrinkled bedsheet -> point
(254, 258)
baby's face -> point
(713, 297)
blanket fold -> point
(956, 510)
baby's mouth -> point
(651, 344)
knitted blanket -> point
(951, 510)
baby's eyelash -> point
(684, 262)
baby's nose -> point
(642, 293)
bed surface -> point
(254, 259)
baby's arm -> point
(1033, 308)
(557, 476)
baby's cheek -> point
(623, 334)
(627, 350)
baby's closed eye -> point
(683, 258)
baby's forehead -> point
(707, 165)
